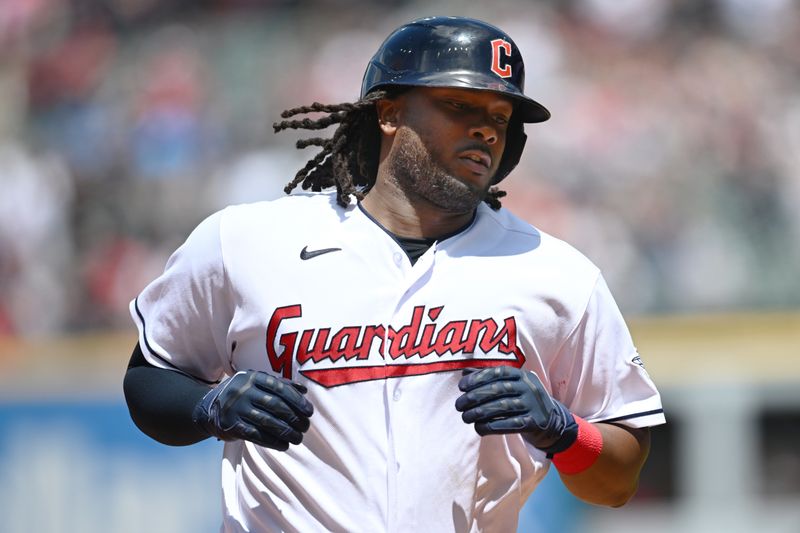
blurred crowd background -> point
(672, 158)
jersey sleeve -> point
(598, 373)
(183, 316)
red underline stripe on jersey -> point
(332, 377)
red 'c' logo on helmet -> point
(500, 64)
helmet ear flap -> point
(515, 144)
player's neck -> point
(407, 217)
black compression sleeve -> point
(161, 401)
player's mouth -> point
(476, 161)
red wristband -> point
(583, 452)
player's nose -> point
(484, 131)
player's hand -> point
(267, 410)
(506, 399)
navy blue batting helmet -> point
(463, 53)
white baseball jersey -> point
(306, 289)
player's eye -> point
(457, 105)
(502, 120)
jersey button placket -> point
(415, 278)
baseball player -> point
(400, 353)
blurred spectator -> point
(166, 138)
(65, 113)
(36, 251)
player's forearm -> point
(614, 477)
(161, 402)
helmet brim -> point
(529, 110)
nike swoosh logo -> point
(305, 254)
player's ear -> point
(387, 115)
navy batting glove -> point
(267, 410)
(506, 399)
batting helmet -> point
(463, 53)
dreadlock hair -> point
(349, 158)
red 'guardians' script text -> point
(463, 341)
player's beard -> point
(418, 175)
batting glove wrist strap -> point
(583, 452)
(206, 412)
(560, 432)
